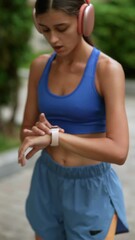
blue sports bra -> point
(80, 112)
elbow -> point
(122, 157)
(121, 161)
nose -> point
(53, 38)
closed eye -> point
(46, 30)
(58, 28)
(62, 29)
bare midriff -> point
(70, 159)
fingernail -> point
(43, 133)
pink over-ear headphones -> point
(85, 19)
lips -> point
(57, 48)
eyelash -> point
(59, 30)
(62, 30)
(45, 31)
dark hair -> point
(70, 7)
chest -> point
(79, 102)
(69, 98)
(63, 80)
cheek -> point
(71, 36)
(73, 40)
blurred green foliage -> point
(15, 31)
(8, 141)
(114, 31)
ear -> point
(35, 21)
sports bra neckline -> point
(81, 80)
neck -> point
(79, 54)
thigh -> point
(88, 210)
(112, 229)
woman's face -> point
(60, 30)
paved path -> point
(14, 185)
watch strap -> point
(55, 137)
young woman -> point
(75, 193)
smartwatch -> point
(55, 136)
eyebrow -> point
(56, 25)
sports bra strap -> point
(92, 62)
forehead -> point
(54, 17)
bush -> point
(15, 31)
(114, 31)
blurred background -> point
(20, 43)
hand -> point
(36, 143)
(43, 127)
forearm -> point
(100, 149)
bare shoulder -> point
(40, 61)
(38, 65)
(107, 66)
(110, 72)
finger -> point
(24, 146)
(22, 161)
(28, 132)
(25, 157)
(32, 152)
(41, 128)
(43, 119)
(61, 130)
(42, 141)
(29, 142)
(37, 130)
(40, 125)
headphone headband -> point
(87, 1)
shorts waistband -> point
(88, 171)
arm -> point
(114, 147)
(31, 112)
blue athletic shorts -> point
(74, 203)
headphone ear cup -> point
(35, 21)
(80, 18)
(88, 20)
